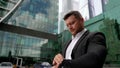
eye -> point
(72, 22)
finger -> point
(54, 63)
(58, 59)
(55, 59)
(60, 56)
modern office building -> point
(88, 9)
(34, 31)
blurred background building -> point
(34, 31)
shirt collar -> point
(79, 33)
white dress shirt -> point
(72, 44)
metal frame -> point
(10, 11)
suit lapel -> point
(79, 41)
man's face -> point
(74, 25)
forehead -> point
(70, 18)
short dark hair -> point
(75, 13)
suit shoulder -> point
(92, 34)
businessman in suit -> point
(85, 49)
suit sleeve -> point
(95, 56)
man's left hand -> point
(57, 60)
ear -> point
(82, 20)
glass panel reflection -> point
(40, 15)
(38, 49)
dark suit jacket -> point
(89, 52)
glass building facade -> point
(20, 45)
(36, 15)
(40, 15)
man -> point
(85, 50)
